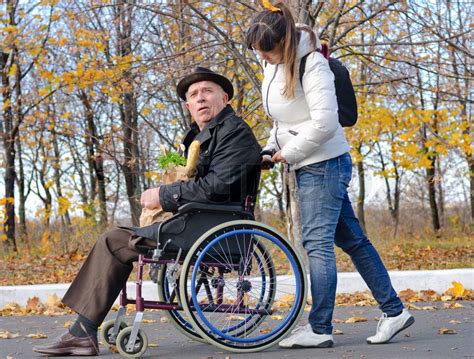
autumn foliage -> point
(88, 96)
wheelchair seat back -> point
(193, 220)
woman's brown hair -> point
(272, 29)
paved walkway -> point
(422, 340)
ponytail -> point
(289, 51)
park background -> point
(88, 97)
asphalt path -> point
(422, 340)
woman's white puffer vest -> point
(306, 127)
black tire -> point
(252, 289)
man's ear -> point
(226, 98)
(187, 105)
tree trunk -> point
(95, 160)
(293, 216)
(65, 218)
(129, 115)
(361, 195)
(9, 146)
(21, 192)
(10, 175)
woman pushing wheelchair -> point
(308, 137)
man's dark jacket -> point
(228, 167)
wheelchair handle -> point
(267, 153)
(267, 165)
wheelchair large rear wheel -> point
(258, 286)
(169, 294)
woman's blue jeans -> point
(327, 217)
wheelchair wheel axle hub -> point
(245, 286)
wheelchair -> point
(240, 286)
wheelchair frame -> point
(208, 312)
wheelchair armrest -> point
(206, 207)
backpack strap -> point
(302, 67)
(324, 51)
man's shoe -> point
(68, 344)
(304, 337)
(388, 327)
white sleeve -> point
(320, 94)
(271, 145)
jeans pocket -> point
(339, 176)
(310, 181)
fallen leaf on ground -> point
(453, 305)
(69, 323)
(408, 334)
(153, 345)
(32, 303)
(52, 300)
(356, 320)
(148, 321)
(457, 290)
(453, 321)
(446, 331)
(235, 317)
(164, 320)
(38, 335)
(337, 332)
(276, 317)
(5, 334)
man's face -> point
(204, 100)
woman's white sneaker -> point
(388, 327)
(304, 337)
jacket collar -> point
(205, 134)
(304, 44)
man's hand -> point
(151, 198)
(277, 157)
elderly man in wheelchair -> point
(240, 283)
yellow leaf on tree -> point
(6, 104)
(12, 71)
(5, 200)
(63, 204)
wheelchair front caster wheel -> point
(140, 347)
(106, 333)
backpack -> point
(346, 100)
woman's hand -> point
(277, 157)
(150, 199)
